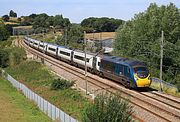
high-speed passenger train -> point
(132, 74)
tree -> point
(139, 38)
(58, 22)
(103, 24)
(108, 108)
(66, 22)
(12, 14)
(4, 34)
(27, 21)
(50, 21)
(19, 19)
(40, 21)
(5, 18)
(71, 35)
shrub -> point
(16, 56)
(108, 108)
(4, 58)
(61, 84)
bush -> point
(108, 108)
(4, 34)
(16, 56)
(61, 84)
(4, 58)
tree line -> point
(103, 24)
(140, 37)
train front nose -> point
(143, 81)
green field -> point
(38, 78)
(14, 107)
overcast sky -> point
(77, 10)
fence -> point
(49, 109)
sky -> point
(77, 10)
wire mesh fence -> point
(49, 109)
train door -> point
(72, 54)
(127, 71)
(94, 62)
(56, 51)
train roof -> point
(90, 53)
(121, 60)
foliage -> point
(30, 71)
(71, 36)
(140, 39)
(27, 21)
(12, 14)
(60, 22)
(10, 56)
(45, 21)
(61, 84)
(5, 18)
(4, 34)
(3, 58)
(39, 79)
(103, 24)
(9, 28)
(40, 21)
(108, 108)
(16, 56)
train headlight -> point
(135, 78)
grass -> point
(48, 37)
(15, 107)
(169, 90)
(6, 43)
(39, 79)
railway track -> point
(156, 104)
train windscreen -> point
(142, 72)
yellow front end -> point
(143, 82)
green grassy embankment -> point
(169, 90)
(48, 37)
(15, 107)
(38, 78)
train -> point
(130, 73)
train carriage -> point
(42, 46)
(36, 43)
(65, 54)
(78, 59)
(52, 49)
